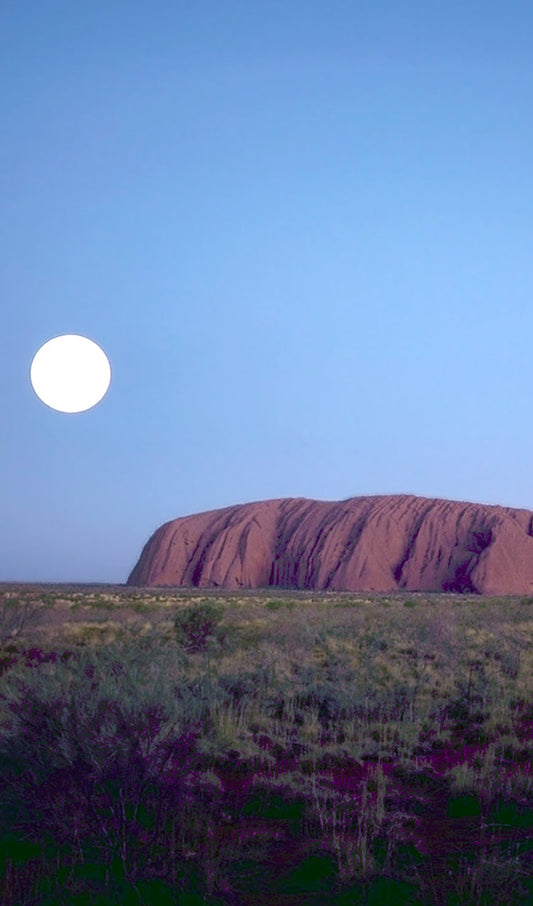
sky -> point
(301, 231)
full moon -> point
(70, 373)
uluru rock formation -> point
(383, 543)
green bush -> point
(196, 625)
(278, 605)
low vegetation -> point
(177, 748)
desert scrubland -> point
(170, 745)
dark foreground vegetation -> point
(162, 747)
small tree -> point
(16, 615)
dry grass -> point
(379, 715)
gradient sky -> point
(301, 231)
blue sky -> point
(302, 233)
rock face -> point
(384, 543)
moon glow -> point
(70, 373)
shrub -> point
(278, 605)
(194, 626)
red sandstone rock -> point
(385, 543)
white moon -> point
(70, 373)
